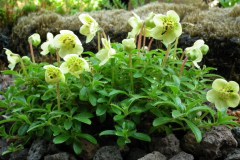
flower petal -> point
(233, 100)
(212, 96)
(64, 68)
(219, 84)
(174, 15)
(234, 86)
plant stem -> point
(113, 71)
(175, 48)
(183, 65)
(23, 67)
(140, 40)
(166, 55)
(131, 74)
(150, 44)
(99, 41)
(58, 58)
(58, 96)
(31, 52)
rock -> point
(19, 155)
(135, 153)
(169, 145)
(37, 150)
(234, 155)
(214, 144)
(3, 148)
(154, 156)
(236, 134)
(108, 153)
(182, 156)
(89, 149)
(59, 156)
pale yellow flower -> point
(74, 65)
(106, 53)
(89, 28)
(67, 43)
(195, 53)
(224, 94)
(167, 27)
(48, 46)
(53, 75)
(34, 39)
(129, 44)
(12, 58)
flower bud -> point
(204, 49)
(34, 39)
(128, 44)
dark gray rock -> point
(169, 145)
(108, 153)
(214, 144)
(135, 153)
(38, 150)
(59, 156)
(3, 148)
(182, 156)
(21, 155)
(154, 156)
(236, 134)
(234, 155)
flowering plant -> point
(124, 87)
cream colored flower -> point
(106, 53)
(224, 94)
(129, 44)
(48, 46)
(89, 28)
(34, 39)
(67, 43)
(136, 23)
(53, 75)
(12, 58)
(167, 27)
(74, 65)
(195, 53)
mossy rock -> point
(217, 26)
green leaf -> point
(61, 138)
(92, 99)
(107, 132)
(201, 108)
(101, 109)
(141, 136)
(83, 95)
(56, 130)
(116, 92)
(77, 147)
(10, 72)
(137, 75)
(68, 124)
(23, 129)
(161, 121)
(84, 117)
(88, 137)
(176, 114)
(118, 117)
(196, 131)
(25, 118)
(35, 125)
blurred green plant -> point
(229, 3)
